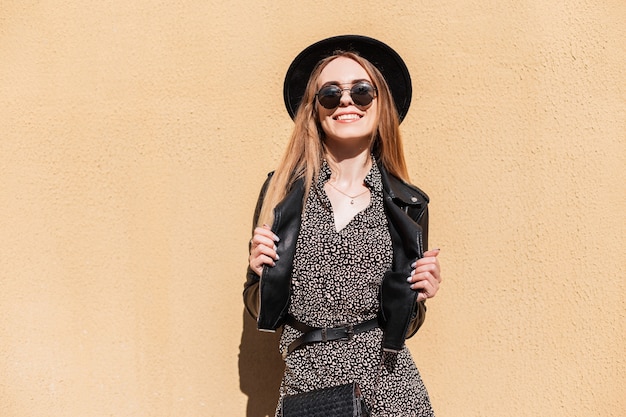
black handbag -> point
(339, 401)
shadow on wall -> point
(260, 368)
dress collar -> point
(372, 180)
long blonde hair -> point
(305, 149)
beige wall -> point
(134, 136)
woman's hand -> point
(262, 249)
(426, 275)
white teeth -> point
(351, 116)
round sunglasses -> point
(362, 94)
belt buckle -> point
(349, 333)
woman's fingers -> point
(426, 275)
(426, 289)
(260, 256)
(263, 235)
(421, 297)
(425, 270)
(257, 263)
(263, 249)
(429, 263)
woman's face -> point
(348, 122)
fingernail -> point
(409, 279)
(413, 264)
(276, 238)
(277, 257)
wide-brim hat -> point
(388, 62)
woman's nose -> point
(346, 98)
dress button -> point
(414, 199)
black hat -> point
(388, 62)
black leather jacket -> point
(406, 207)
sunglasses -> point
(362, 94)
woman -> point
(339, 246)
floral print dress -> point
(335, 281)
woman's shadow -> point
(260, 368)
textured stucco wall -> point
(134, 136)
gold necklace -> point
(347, 195)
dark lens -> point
(329, 97)
(362, 94)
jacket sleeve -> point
(251, 286)
(419, 313)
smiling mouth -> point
(351, 116)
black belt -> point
(325, 334)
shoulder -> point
(399, 189)
(411, 199)
(409, 192)
(403, 192)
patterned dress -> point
(335, 281)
